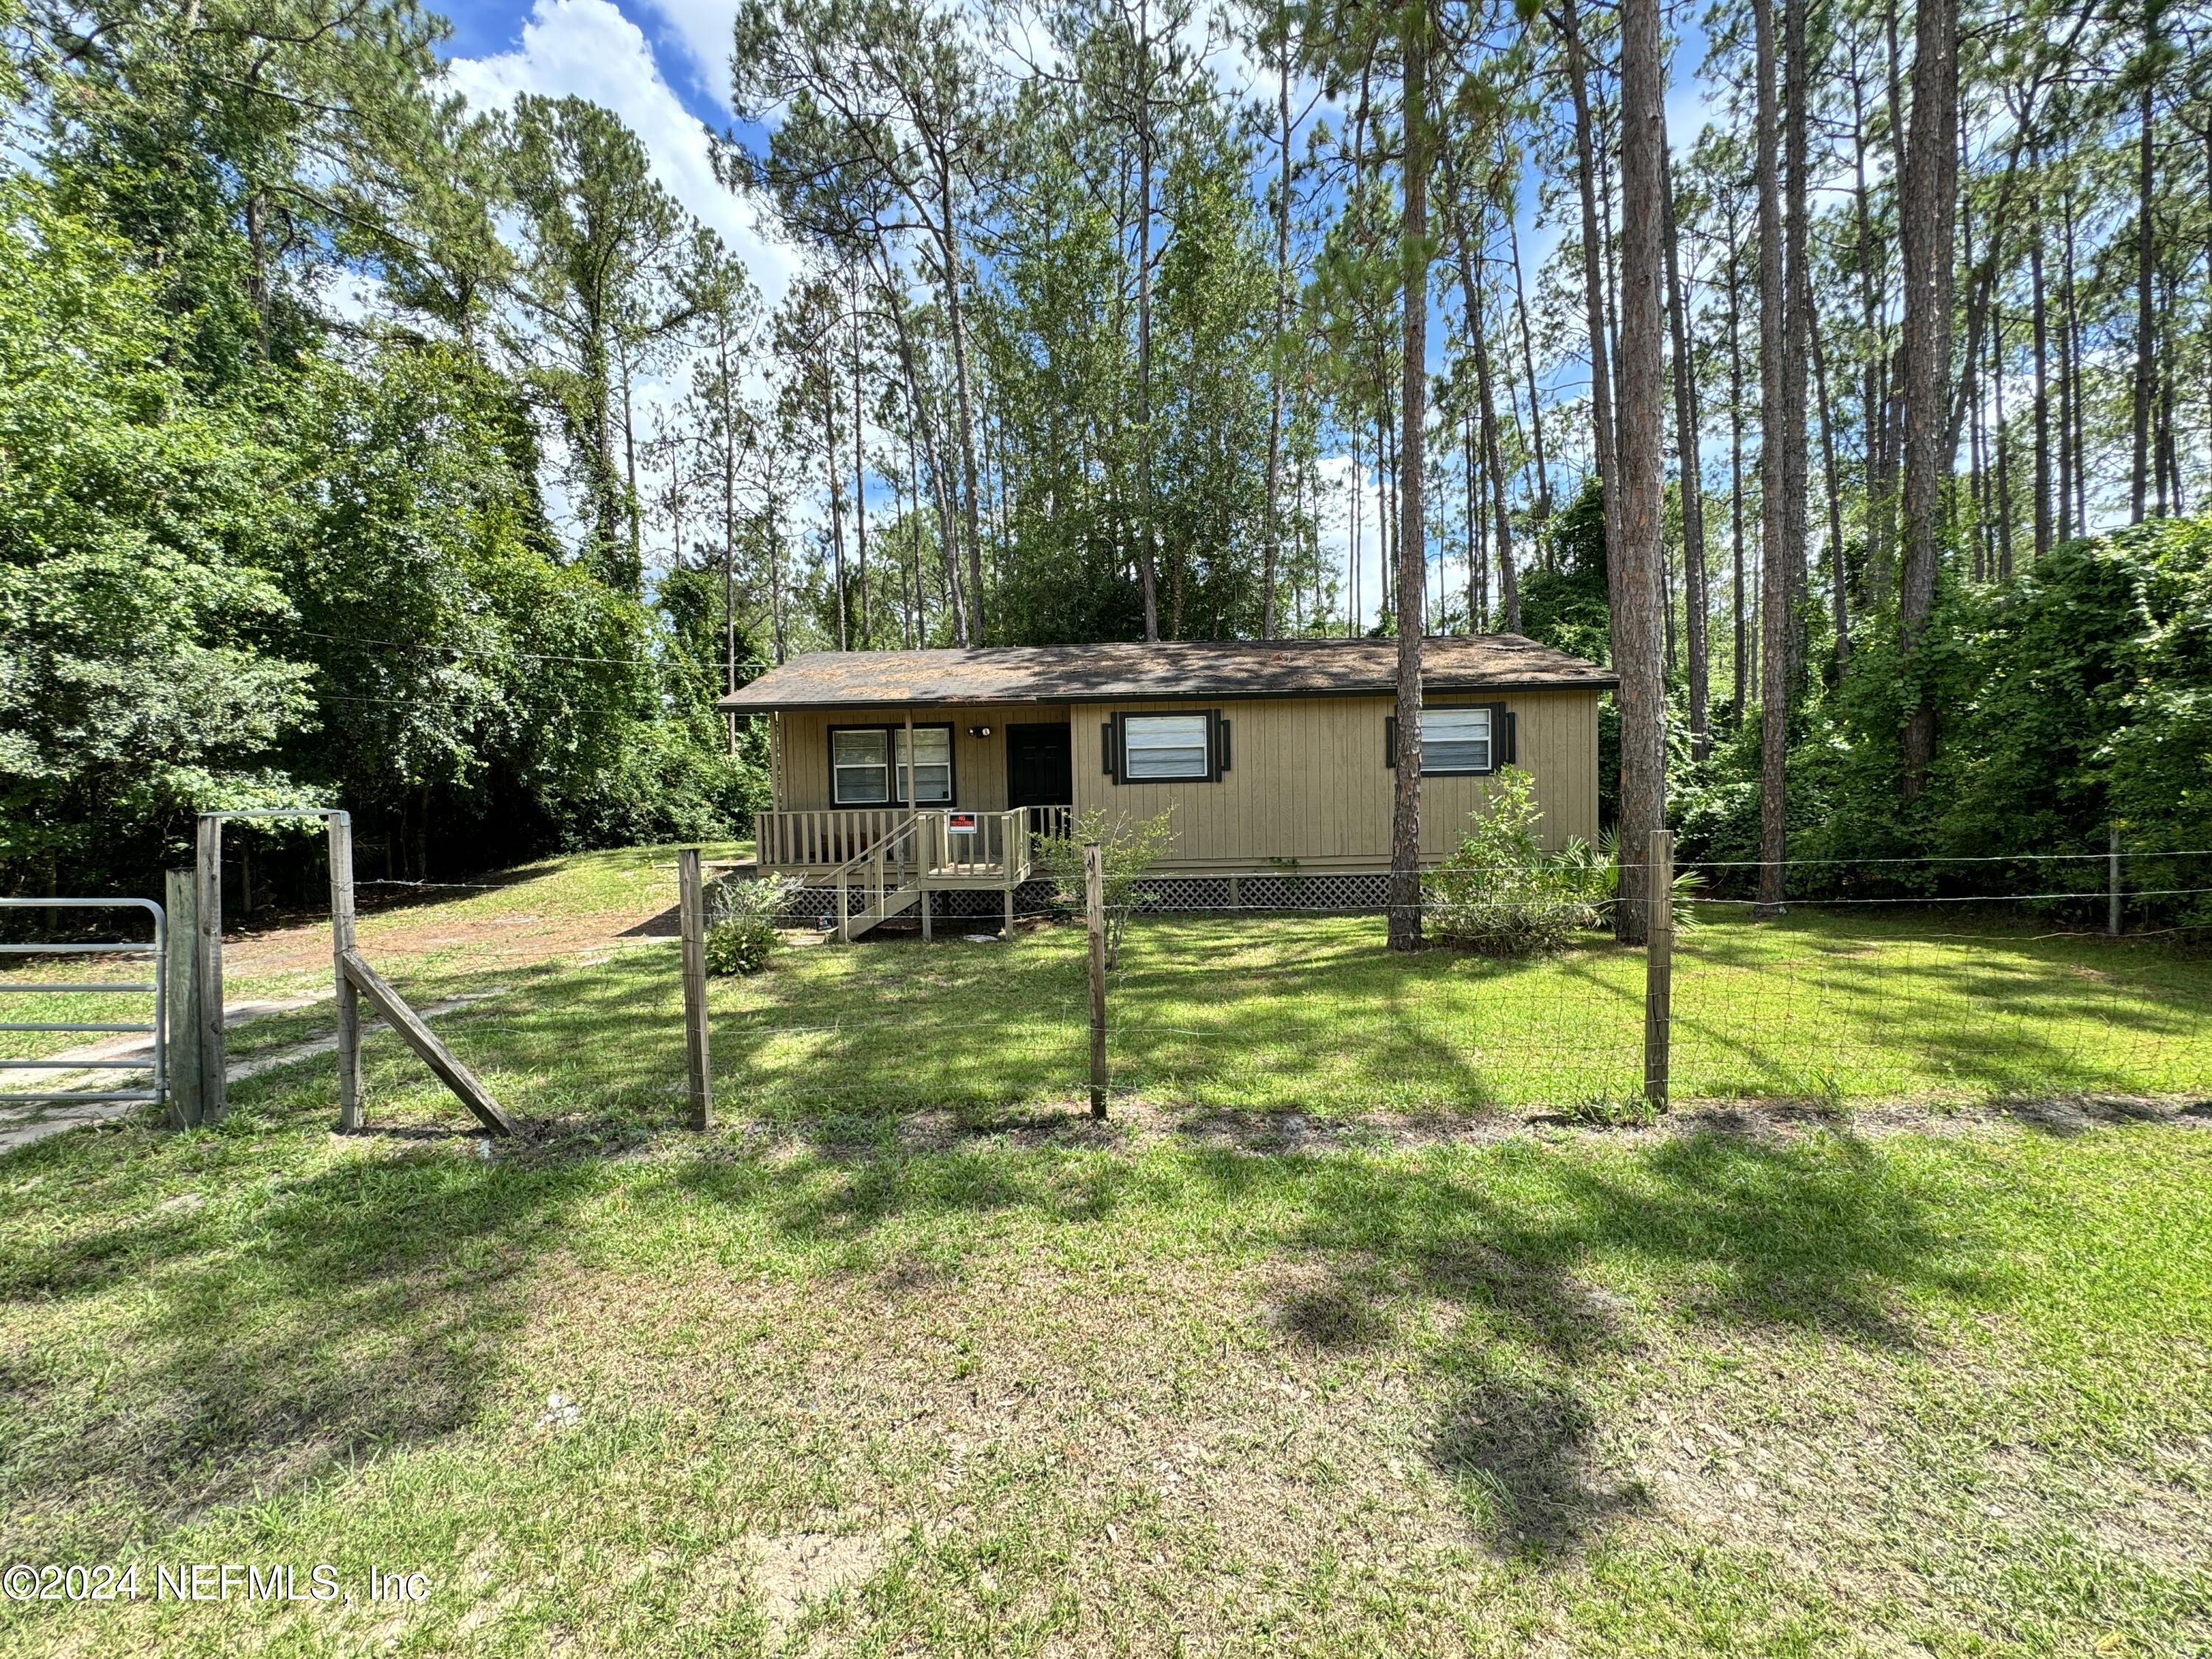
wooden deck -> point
(895, 857)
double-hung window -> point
(1159, 747)
(860, 766)
(928, 777)
(1457, 739)
(869, 766)
(1167, 748)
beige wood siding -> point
(1306, 778)
(979, 765)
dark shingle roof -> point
(1117, 672)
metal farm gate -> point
(154, 1062)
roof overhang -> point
(1172, 671)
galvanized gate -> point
(155, 987)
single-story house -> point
(902, 774)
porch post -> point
(911, 805)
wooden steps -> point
(874, 914)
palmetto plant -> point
(1686, 886)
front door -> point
(1039, 766)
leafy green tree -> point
(137, 680)
(605, 255)
(218, 138)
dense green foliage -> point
(252, 556)
(2076, 698)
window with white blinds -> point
(1160, 748)
(1456, 741)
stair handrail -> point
(873, 855)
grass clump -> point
(1128, 851)
(1614, 1112)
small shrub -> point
(1501, 893)
(741, 924)
(1614, 1112)
(1128, 851)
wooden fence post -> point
(207, 922)
(696, 1054)
(2112, 885)
(180, 994)
(1094, 917)
(1659, 969)
(342, 940)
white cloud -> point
(703, 26)
(588, 49)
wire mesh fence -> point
(1268, 994)
(1279, 994)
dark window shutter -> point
(1509, 732)
(1221, 744)
(1390, 740)
(1106, 751)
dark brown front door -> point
(1039, 766)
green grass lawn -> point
(1312, 1014)
(906, 1357)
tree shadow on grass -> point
(283, 1326)
(253, 1332)
(1776, 1006)
(1819, 1234)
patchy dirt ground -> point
(408, 928)
(1137, 1124)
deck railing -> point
(887, 867)
(979, 854)
(825, 838)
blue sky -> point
(661, 64)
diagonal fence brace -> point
(434, 1054)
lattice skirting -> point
(817, 907)
(1348, 894)
(1354, 894)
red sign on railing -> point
(960, 823)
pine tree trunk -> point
(1774, 545)
(948, 251)
(1465, 238)
(1282, 327)
(2000, 473)
(836, 503)
(1839, 598)
(1638, 462)
(2068, 455)
(948, 543)
(2039, 325)
(1529, 372)
(1148, 576)
(1797, 269)
(860, 480)
(1602, 421)
(1930, 194)
(1695, 604)
(1739, 703)
(1874, 388)
(2146, 317)
(1412, 580)
(728, 393)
